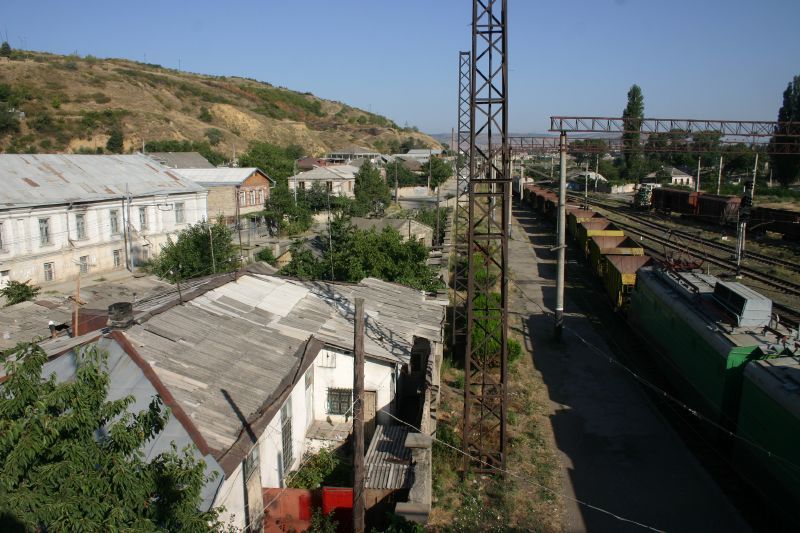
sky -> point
(707, 59)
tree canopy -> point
(633, 115)
(71, 460)
(276, 161)
(372, 194)
(786, 166)
(439, 171)
(202, 147)
(192, 254)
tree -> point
(372, 194)
(438, 169)
(5, 49)
(277, 162)
(16, 292)
(202, 147)
(587, 150)
(71, 460)
(283, 215)
(115, 142)
(201, 249)
(786, 166)
(632, 121)
(214, 136)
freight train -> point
(717, 342)
(723, 210)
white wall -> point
(378, 376)
(24, 256)
(231, 496)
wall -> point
(222, 201)
(378, 376)
(340, 187)
(24, 256)
(231, 496)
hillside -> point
(73, 104)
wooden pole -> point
(76, 306)
(359, 501)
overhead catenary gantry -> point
(460, 220)
(486, 357)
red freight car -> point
(717, 209)
(675, 201)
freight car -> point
(783, 221)
(718, 209)
(602, 245)
(669, 200)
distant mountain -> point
(73, 104)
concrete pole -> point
(697, 181)
(562, 236)
(359, 500)
(719, 176)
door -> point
(370, 408)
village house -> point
(308, 163)
(338, 180)
(232, 192)
(67, 215)
(351, 154)
(259, 370)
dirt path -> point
(614, 449)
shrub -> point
(315, 470)
(16, 292)
(205, 115)
(5, 49)
(101, 98)
(214, 136)
(115, 142)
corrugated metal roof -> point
(127, 379)
(181, 159)
(36, 180)
(220, 175)
(388, 461)
(233, 345)
(329, 173)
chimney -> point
(120, 315)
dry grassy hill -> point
(72, 104)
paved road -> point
(615, 449)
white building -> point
(259, 370)
(65, 215)
(339, 180)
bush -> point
(205, 115)
(115, 142)
(316, 469)
(214, 136)
(267, 256)
(5, 49)
(16, 292)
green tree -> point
(205, 115)
(586, 150)
(405, 177)
(71, 460)
(5, 49)
(786, 166)
(16, 292)
(214, 136)
(372, 193)
(439, 170)
(200, 249)
(632, 152)
(202, 147)
(115, 142)
(284, 215)
(277, 162)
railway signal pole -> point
(562, 235)
(485, 366)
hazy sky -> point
(713, 59)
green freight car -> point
(703, 331)
(769, 418)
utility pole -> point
(125, 233)
(359, 501)
(237, 192)
(562, 235)
(436, 237)
(586, 185)
(697, 182)
(744, 215)
(211, 239)
(430, 166)
(76, 306)
(719, 176)
(396, 198)
(128, 239)
(294, 180)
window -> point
(180, 217)
(252, 197)
(143, 218)
(302, 185)
(84, 264)
(117, 254)
(114, 220)
(251, 462)
(145, 253)
(80, 226)
(286, 434)
(241, 199)
(339, 401)
(261, 196)
(329, 186)
(49, 271)
(44, 231)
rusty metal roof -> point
(51, 179)
(388, 461)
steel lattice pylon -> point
(462, 200)
(486, 376)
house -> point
(259, 370)
(338, 180)
(66, 215)
(350, 154)
(232, 192)
(676, 176)
(181, 159)
(421, 154)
